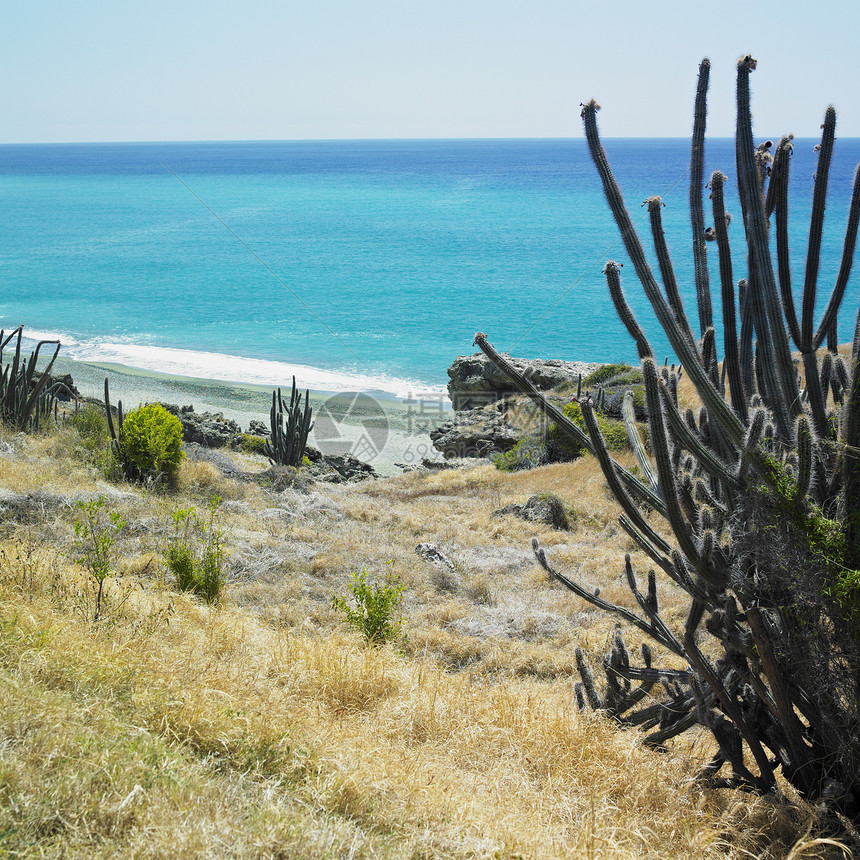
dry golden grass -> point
(264, 728)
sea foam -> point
(231, 368)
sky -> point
(124, 70)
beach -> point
(380, 429)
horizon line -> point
(368, 140)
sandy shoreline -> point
(400, 426)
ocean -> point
(355, 265)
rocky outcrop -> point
(476, 381)
(335, 469)
(476, 432)
(210, 429)
(544, 508)
(62, 384)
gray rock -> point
(210, 429)
(544, 508)
(430, 552)
(475, 433)
(476, 381)
(336, 469)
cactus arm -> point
(613, 281)
(828, 321)
(667, 272)
(779, 187)
(9, 406)
(648, 604)
(816, 226)
(108, 413)
(648, 548)
(689, 359)
(637, 443)
(816, 394)
(612, 478)
(564, 423)
(660, 445)
(789, 723)
(633, 484)
(709, 357)
(730, 706)
(851, 465)
(30, 403)
(782, 393)
(688, 440)
(697, 216)
(745, 347)
(599, 602)
(730, 337)
(658, 738)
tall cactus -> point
(291, 423)
(761, 490)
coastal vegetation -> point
(26, 396)
(195, 553)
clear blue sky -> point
(277, 69)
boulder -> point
(65, 386)
(476, 381)
(543, 508)
(476, 432)
(210, 429)
(336, 469)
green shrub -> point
(615, 375)
(91, 425)
(375, 605)
(614, 432)
(195, 554)
(251, 444)
(96, 531)
(526, 454)
(150, 444)
(560, 448)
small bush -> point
(560, 448)
(195, 554)
(526, 454)
(615, 375)
(251, 444)
(90, 423)
(150, 444)
(96, 531)
(614, 432)
(375, 605)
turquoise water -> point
(355, 264)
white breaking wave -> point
(232, 368)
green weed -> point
(373, 608)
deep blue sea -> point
(355, 264)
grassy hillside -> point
(265, 727)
